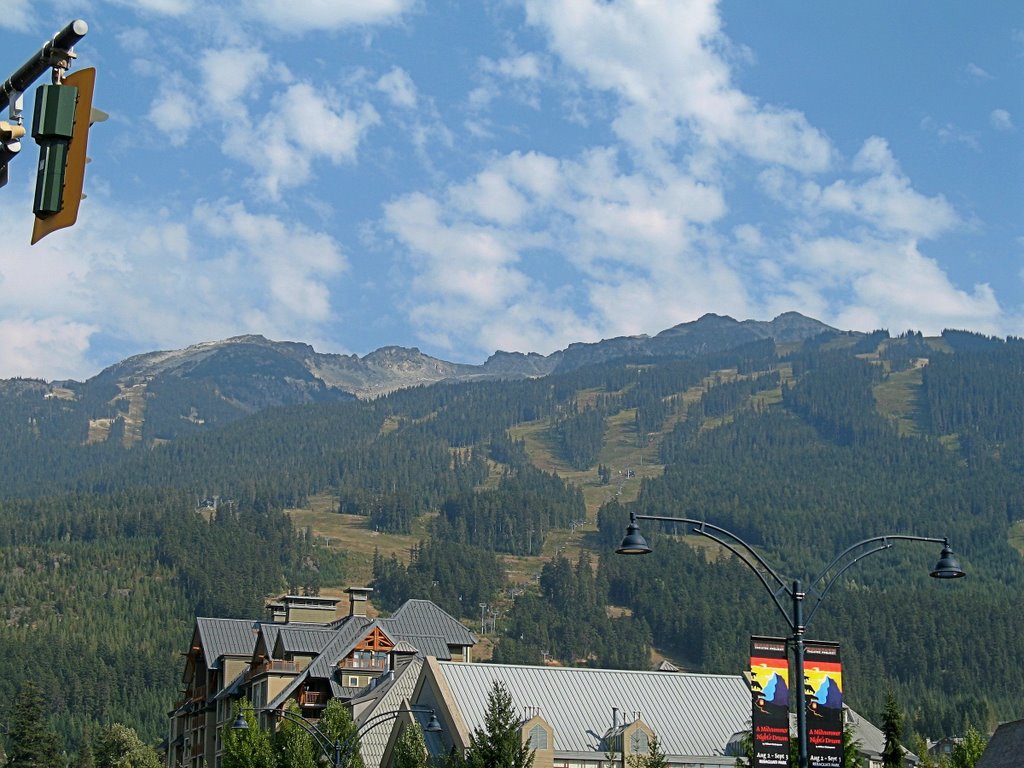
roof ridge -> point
(490, 665)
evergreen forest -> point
(522, 490)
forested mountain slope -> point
(106, 551)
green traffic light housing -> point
(53, 126)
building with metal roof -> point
(306, 655)
(1006, 747)
(583, 715)
(590, 718)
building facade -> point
(303, 653)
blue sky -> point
(472, 176)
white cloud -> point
(950, 133)
(159, 7)
(230, 77)
(47, 348)
(318, 129)
(661, 60)
(1001, 120)
(525, 66)
(300, 16)
(17, 15)
(173, 113)
(398, 86)
(625, 242)
(282, 152)
(220, 271)
(886, 198)
(293, 261)
(977, 72)
(891, 285)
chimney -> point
(357, 597)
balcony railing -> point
(312, 699)
(273, 665)
(381, 664)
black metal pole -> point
(42, 60)
(797, 682)
(946, 568)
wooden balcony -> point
(312, 699)
(381, 665)
(273, 666)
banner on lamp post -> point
(769, 687)
(823, 688)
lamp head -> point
(240, 724)
(948, 566)
(433, 725)
(634, 543)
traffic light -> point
(10, 145)
(60, 125)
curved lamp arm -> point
(730, 541)
(433, 726)
(338, 749)
(350, 746)
(947, 567)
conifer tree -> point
(499, 744)
(31, 742)
(86, 758)
(892, 729)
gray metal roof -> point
(226, 637)
(418, 622)
(390, 697)
(870, 738)
(428, 645)
(1006, 747)
(692, 714)
(302, 640)
(342, 641)
(324, 665)
(422, 618)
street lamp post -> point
(338, 752)
(946, 568)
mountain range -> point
(511, 487)
(164, 394)
(244, 374)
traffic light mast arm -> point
(55, 54)
(51, 55)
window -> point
(353, 682)
(638, 743)
(538, 737)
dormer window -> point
(538, 738)
(639, 743)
